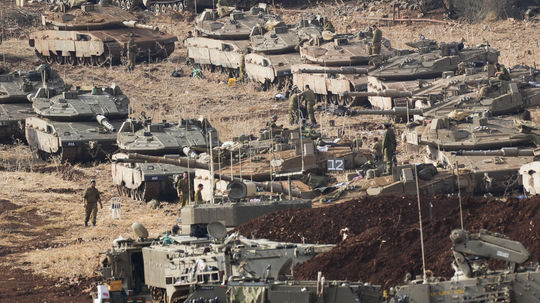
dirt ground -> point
(384, 239)
(46, 253)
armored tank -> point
(271, 69)
(162, 6)
(97, 35)
(149, 180)
(235, 26)
(279, 37)
(222, 55)
(14, 105)
(473, 280)
(75, 125)
(432, 64)
(463, 130)
(345, 50)
(180, 268)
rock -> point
(154, 204)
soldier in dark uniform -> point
(389, 147)
(131, 53)
(91, 198)
(309, 98)
(182, 189)
(378, 149)
(502, 73)
(198, 194)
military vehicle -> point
(345, 50)
(274, 69)
(473, 280)
(75, 125)
(282, 38)
(171, 267)
(236, 26)
(97, 35)
(222, 55)
(162, 6)
(148, 180)
(432, 64)
(14, 105)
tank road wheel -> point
(158, 294)
(176, 7)
(163, 8)
(49, 59)
(71, 60)
(129, 5)
(101, 60)
(59, 59)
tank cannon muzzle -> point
(396, 111)
(390, 93)
(349, 70)
(103, 121)
(135, 24)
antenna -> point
(211, 167)
(459, 195)
(420, 221)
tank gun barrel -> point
(185, 162)
(507, 152)
(391, 93)
(102, 120)
(336, 70)
(135, 24)
(396, 111)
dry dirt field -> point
(46, 254)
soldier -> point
(377, 40)
(272, 123)
(356, 143)
(502, 73)
(182, 189)
(378, 149)
(198, 194)
(131, 49)
(308, 96)
(90, 199)
(389, 147)
(294, 115)
(329, 32)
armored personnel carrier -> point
(14, 105)
(180, 268)
(236, 26)
(473, 281)
(75, 125)
(97, 35)
(432, 64)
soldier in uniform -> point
(91, 198)
(377, 40)
(198, 194)
(501, 72)
(389, 147)
(182, 189)
(308, 96)
(378, 149)
(131, 54)
(294, 115)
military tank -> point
(75, 125)
(97, 35)
(279, 37)
(271, 69)
(426, 65)
(236, 26)
(473, 280)
(222, 55)
(145, 180)
(14, 105)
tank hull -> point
(70, 141)
(12, 117)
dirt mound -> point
(384, 241)
(6, 205)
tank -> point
(162, 6)
(432, 64)
(235, 26)
(97, 35)
(144, 180)
(77, 125)
(278, 37)
(345, 50)
(223, 55)
(271, 69)
(473, 280)
(14, 105)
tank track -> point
(144, 193)
(105, 59)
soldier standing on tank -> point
(131, 54)
(182, 189)
(308, 97)
(91, 198)
(377, 40)
(389, 147)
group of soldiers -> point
(385, 150)
(184, 192)
(302, 104)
